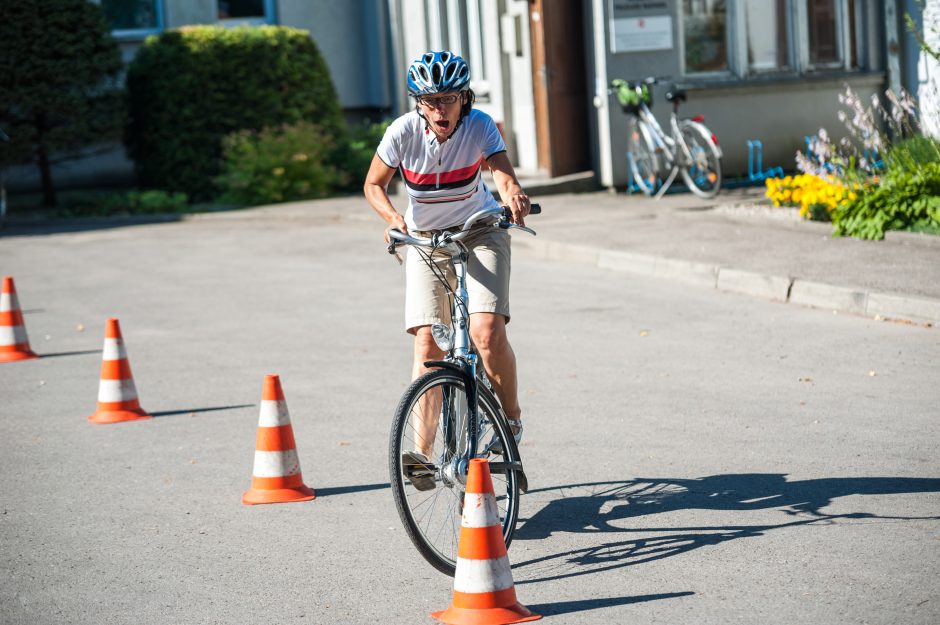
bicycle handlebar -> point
(649, 80)
(406, 239)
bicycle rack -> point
(755, 171)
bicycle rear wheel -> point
(432, 419)
(642, 158)
(702, 171)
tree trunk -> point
(45, 172)
(45, 169)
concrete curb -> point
(777, 288)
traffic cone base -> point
(117, 416)
(19, 353)
(255, 496)
(484, 593)
(517, 613)
(14, 344)
(276, 477)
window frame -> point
(134, 34)
(798, 53)
(270, 16)
(791, 40)
(730, 45)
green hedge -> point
(189, 88)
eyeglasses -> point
(439, 101)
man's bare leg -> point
(429, 405)
(488, 331)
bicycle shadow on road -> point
(597, 507)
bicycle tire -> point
(702, 174)
(642, 158)
(432, 518)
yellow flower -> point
(278, 171)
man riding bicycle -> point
(440, 148)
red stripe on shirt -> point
(446, 176)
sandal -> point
(496, 446)
(516, 426)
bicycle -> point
(691, 149)
(439, 405)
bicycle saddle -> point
(675, 93)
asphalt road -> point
(694, 456)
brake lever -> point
(506, 225)
(393, 250)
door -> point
(559, 73)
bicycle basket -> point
(631, 94)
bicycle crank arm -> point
(506, 467)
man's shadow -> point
(596, 508)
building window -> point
(823, 32)
(739, 38)
(768, 35)
(706, 36)
(130, 18)
(246, 11)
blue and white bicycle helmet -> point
(438, 72)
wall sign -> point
(640, 25)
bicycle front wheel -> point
(431, 420)
(642, 158)
(701, 167)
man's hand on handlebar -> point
(519, 206)
(398, 223)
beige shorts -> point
(428, 302)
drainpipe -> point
(892, 45)
(601, 101)
(397, 64)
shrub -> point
(356, 155)
(904, 200)
(278, 165)
(188, 89)
(57, 65)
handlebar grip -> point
(535, 209)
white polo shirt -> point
(443, 180)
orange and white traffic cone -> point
(14, 344)
(276, 477)
(483, 589)
(117, 395)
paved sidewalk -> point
(733, 243)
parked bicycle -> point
(451, 415)
(655, 158)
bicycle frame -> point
(461, 357)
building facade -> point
(770, 70)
